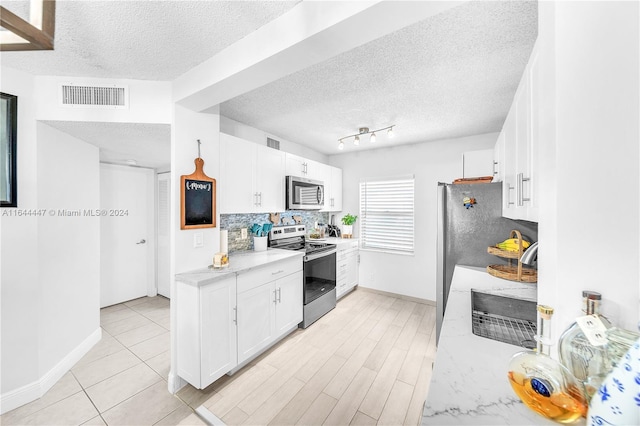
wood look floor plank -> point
(381, 387)
(344, 378)
(412, 363)
(382, 349)
(230, 396)
(420, 392)
(318, 411)
(367, 361)
(394, 411)
(348, 404)
(361, 419)
(234, 417)
(255, 399)
(429, 319)
(403, 316)
(408, 332)
(272, 406)
(300, 403)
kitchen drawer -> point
(267, 273)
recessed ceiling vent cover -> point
(95, 96)
(272, 143)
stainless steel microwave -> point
(304, 194)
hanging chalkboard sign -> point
(197, 199)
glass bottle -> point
(542, 383)
(589, 363)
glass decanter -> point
(542, 383)
(587, 361)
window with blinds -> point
(387, 215)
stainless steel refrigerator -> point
(465, 233)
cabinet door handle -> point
(260, 202)
(495, 163)
(279, 294)
(235, 315)
(275, 296)
(255, 199)
(509, 189)
(520, 189)
(277, 272)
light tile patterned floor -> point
(121, 381)
(366, 362)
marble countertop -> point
(469, 382)
(238, 264)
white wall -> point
(149, 101)
(430, 162)
(187, 128)
(49, 268)
(68, 247)
(240, 130)
(18, 250)
(589, 209)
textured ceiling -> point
(145, 40)
(452, 75)
(148, 144)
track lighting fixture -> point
(365, 131)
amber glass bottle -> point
(542, 383)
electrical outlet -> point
(243, 234)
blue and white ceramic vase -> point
(617, 402)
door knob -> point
(141, 242)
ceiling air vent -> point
(95, 96)
(272, 143)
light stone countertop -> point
(469, 383)
(238, 264)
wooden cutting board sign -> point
(197, 199)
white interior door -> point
(163, 255)
(127, 237)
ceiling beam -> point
(308, 34)
(33, 37)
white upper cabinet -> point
(303, 167)
(477, 163)
(251, 177)
(333, 190)
(517, 146)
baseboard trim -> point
(175, 383)
(399, 296)
(34, 390)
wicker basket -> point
(512, 272)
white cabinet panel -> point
(251, 177)
(333, 190)
(347, 265)
(519, 137)
(218, 336)
(289, 306)
(206, 331)
(255, 320)
(477, 163)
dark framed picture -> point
(8, 150)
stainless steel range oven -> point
(319, 269)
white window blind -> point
(387, 216)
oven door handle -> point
(315, 256)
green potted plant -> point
(347, 225)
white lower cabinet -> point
(206, 331)
(347, 260)
(255, 320)
(225, 324)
